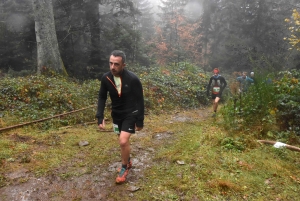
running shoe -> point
(122, 176)
(129, 165)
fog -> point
(231, 32)
(193, 10)
(17, 22)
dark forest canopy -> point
(234, 35)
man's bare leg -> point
(215, 104)
(125, 146)
(125, 153)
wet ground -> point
(99, 183)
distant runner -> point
(216, 85)
(245, 82)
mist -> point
(17, 22)
(193, 10)
(223, 35)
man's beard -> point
(116, 73)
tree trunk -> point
(48, 55)
(92, 16)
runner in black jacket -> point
(216, 85)
(126, 94)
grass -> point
(51, 149)
(212, 172)
(199, 159)
(212, 169)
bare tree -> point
(48, 55)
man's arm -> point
(250, 80)
(224, 84)
(138, 91)
(102, 96)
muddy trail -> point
(99, 183)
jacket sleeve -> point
(224, 84)
(102, 96)
(140, 102)
(250, 80)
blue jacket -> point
(244, 82)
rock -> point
(83, 143)
(180, 162)
(133, 188)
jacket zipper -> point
(119, 93)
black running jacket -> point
(129, 102)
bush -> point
(176, 86)
(30, 98)
(288, 101)
(272, 100)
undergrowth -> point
(206, 162)
(201, 161)
(25, 99)
(213, 159)
(180, 86)
(270, 108)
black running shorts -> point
(213, 96)
(127, 124)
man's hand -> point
(102, 126)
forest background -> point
(162, 39)
(54, 52)
(166, 42)
(231, 35)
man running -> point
(126, 94)
(216, 85)
(244, 81)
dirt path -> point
(99, 184)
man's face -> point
(216, 72)
(116, 65)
